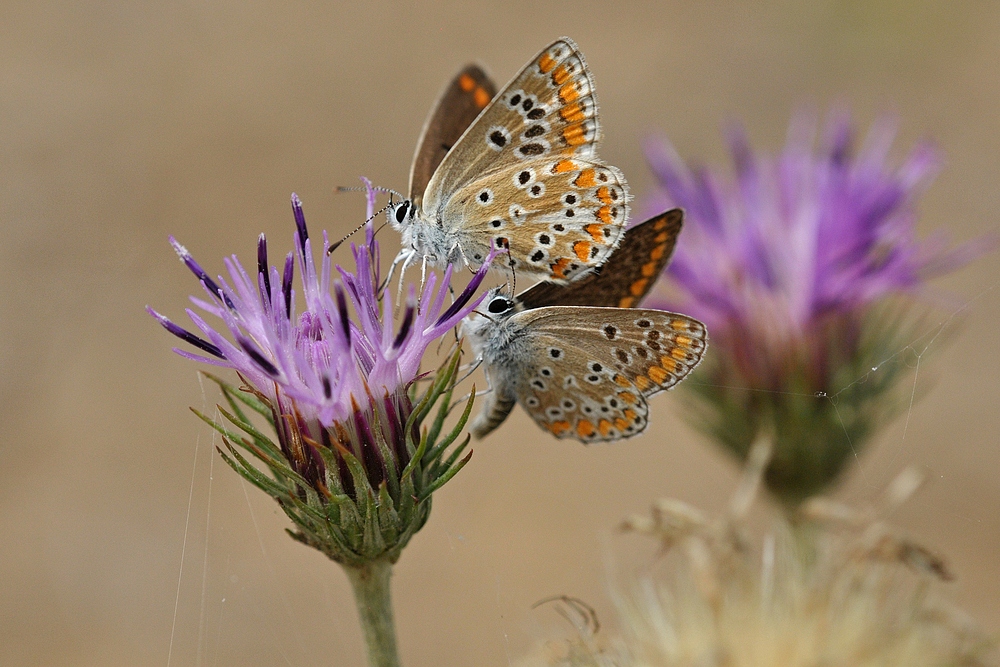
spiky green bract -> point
(343, 511)
(790, 262)
(826, 400)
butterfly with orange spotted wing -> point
(517, 170)
(578, 358)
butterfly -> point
(516, 171)
(582, 366)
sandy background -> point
(121, 123)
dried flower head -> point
(794, 265)
(843, 591)
(351, 466)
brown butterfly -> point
(577, 361)
(516, 170)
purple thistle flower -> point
(785, 263)
(335, 386)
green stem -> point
(374, 601)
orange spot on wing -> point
(559, 267)
(604, 214)
(678, 325)
(569, 93)
(604, 194)
(572, 113)
(658, 252)
(630, 415)
(563, 166)
(661, 237)
(560, 427)
(466, 82)
(626, 302)
(604, 426)
(560, 75)
(649, 269)
(482, 97)
(678, 353)
(628, 397)
(643, 383)
(582, 250)
(621, 424)
(584, 428)
(660, 224)
(621, 380)
(668, 363)
(638, 287)
(658, 375)
(683, 341)
(575, 135)
(594, 230)
(546, 63)
(586, 179)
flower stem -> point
(374, 601)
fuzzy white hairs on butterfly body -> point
(500, 342)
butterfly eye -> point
(500, 304)
(400, 212)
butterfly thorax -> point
(501, 342)
(430, 237)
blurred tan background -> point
(121, 123)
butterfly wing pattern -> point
(625, 279)
(524, 176)
(622, 282)
(518, 170)
(584, 372)
(458, 105)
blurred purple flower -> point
(785, 261)
(801, 236)
(337, 387)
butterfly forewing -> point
(547, 110)
(626, 277)
(459, 104)
(595, 367)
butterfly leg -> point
(423, 274)
(468, 370)
(407, 262)
(457, 246)
(402, 257)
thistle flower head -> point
(789, 263)
(326, 365)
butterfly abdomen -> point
(497, 408)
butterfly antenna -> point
(334, 246)
(513, 273)
(376, 188)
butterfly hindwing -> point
(558, 218)
(592, 369)
(458, 106)
(625, 279)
